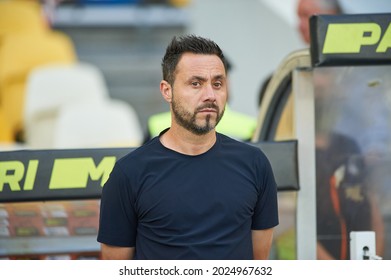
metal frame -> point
(298, 64)
(305, 134)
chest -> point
(191, 193)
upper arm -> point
(110, 252)
(117, 218)
(262, 242)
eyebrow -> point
(220, 77)
(217, 77)
(198, 78)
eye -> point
(218, 84)
(195, 84)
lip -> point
(208, 110)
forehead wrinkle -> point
(201, 62)
(205, 78)
(201, 67)
(198, 77)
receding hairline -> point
(221, 75)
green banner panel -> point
(347, 40)
(31, 175)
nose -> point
(209, 93)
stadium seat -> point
(5, 130)
(113, 123)
(21, 16)
(19, 55)
(51, 87)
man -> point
(190, 193)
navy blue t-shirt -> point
(174, 206)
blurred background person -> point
(352, 125)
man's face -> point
(199, 92)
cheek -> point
(185, 102)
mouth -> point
(208, 109)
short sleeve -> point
(266, 211)
(118, 220)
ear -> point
(166, 90)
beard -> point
(188, 120)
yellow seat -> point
(5, 130)
(19, 55)
(17, 16)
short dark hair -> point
(187, 44)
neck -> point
(186, 142)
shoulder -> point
(228, 141)
(239, 148)
(141, 153)
(343, 142)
